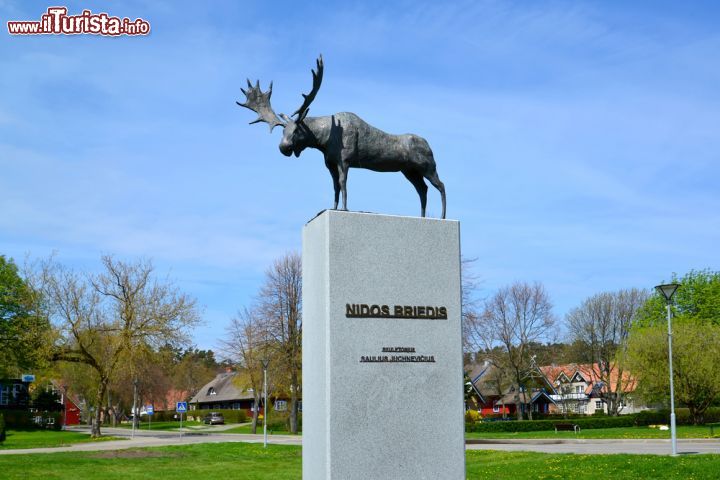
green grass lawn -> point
(46, 438)
(248, 429)
(280, 462)
(171, 425)
(624, 432)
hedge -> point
(18, 419)
(587, 423)
(231, 416)
(644, 418)
(2, 428)
(682, 416)
(281, 421)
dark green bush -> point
(2, 428)
(585, 423)
(231, 416)
(166, 416)
(682, 416)
(18, 419)
(558, 417)
(281, 421)
(57, 421)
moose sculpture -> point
(347, 141)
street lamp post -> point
(134, 417)
(265, 363)
(667, 291)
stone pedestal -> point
(382, 356)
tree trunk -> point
(102, 388)
(697, 414)
(256, 407)
(614, 405)
(293, 403)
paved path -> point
(157, 439)
(595, 446)
(144, 438)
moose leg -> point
(336, 182)
(435, 180)
(343, 185)
(417, 180)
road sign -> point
(149, 410)
(181, 407)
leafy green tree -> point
(107, 321)
(193, 369)
(696, 344)
(22, 325)
(696, 354)
(698, 298)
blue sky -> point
(579, 142)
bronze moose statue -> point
(347, 141)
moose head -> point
(296, 135)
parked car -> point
(214, 418)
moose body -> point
(347, 141)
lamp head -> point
(667, 290)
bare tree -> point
(103, 320)
(602, 323)
(279, 304)
(245, 345)
(515, 318)
(470, 315)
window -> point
(598, 405)
(211, 391)
(280, 405)
(578, 389)
(4, 394)
(496, 408)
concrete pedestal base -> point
(382, 356)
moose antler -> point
(259, 102)
(317, 80)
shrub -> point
(472, 416)
(588, 422)
(163, 416)
(2, 428)
(18, 419)
(281, 421)
(682, 416)
(230, 416)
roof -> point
(509, 398)
(484, 379)
(221, 389)
(589, 372)
(69, 395)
